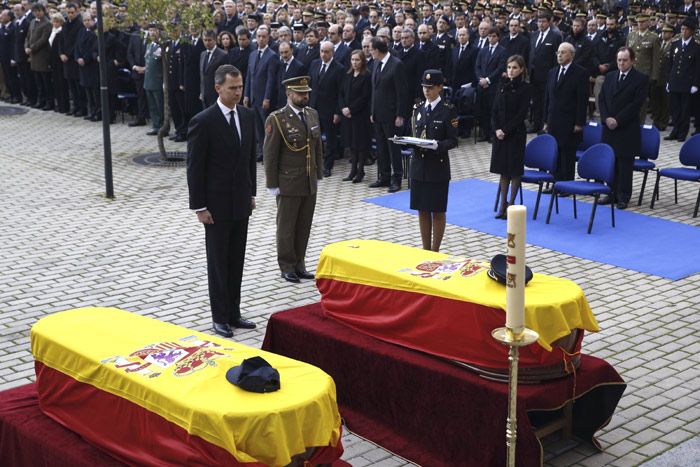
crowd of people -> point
(49, 61)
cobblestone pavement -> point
(64, 245)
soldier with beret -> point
(293, 157)
(433, 119)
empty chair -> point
(597, 168)
(592, 134)
(689, 156)
(651, 140)
(541, 154)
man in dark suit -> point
(683, 79)
(311, 51)
(388, 112)
(221, 178)
(543, 47)
(191, 52)
(350, 38)
(71, 72)
(565, 105)
(239, 55)
(444, 42)
(414, 62)
(260, 87)
(289, 67)
(490, 65)
(583, 45)
(135, 56)
(326, 78)
(460, 74)
(515, 42)
(231, 19)
(7, 38)
(210, 60)
(428, 48)
(26, 77)
(620, 101)
(341, 52)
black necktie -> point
(206, 60)
(428, 110)
(302, 118)
(232, 122)
(539, 40)
(490, 50)
(323, 71)
(561, 74)
(461, 49)
(622, 77)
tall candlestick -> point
(515, 270)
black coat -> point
(136, 53)
(355, 94)
(325, 90)
(307, 54)
(605, 50)
(190, 75)
(566, 104)
(623, 102)
(584, 51)
(520, 45)
(7, 43)
(342, 56)
(86, 48)
(461, 68)
(69, 37)
(433, 165)
(544, 57)
(239, 58)
(21, 31)
(509, 112)
(220, 176)
(389, 91)
(414, 62)
(431, 54)
(206, 79)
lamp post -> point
(104, 103)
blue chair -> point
(541, 154)
(689, 155)
(126, 94)
(597, 164)
(592, 134)
(651, 139)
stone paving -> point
(64, 245)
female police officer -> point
(436, 120)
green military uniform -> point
(646, 47)
(293, 156)
(659, 96)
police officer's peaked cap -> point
(298, 84)
(432, 78)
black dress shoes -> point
(394, 188)
(670, 137)
(621, 205)
(358, 178)
(379, 184)
(223, 329)
(291, 277)
(242, 323)
(305, 275)
(152, 133)
(605, 200)
(138, 123)
(326, 173)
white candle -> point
(515, 271)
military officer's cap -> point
(307, 13)
(300, 27)
(410, 11)
(527, 9)
(601, 16)
(559, 12)
(581, 14)
(478, 8)
(275, 25)
(670, 16)
(432, 78)
(298, 84)
(668, 28)
(640, 18)
(632, 19)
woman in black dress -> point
(436, 120)
(355, 93)
(508, 119)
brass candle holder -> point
(514, 339)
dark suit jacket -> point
(325, 90)
(260, 79)
(342, 56)
(308, 54)
(206, 78)
(7, 43)
(190, 73)
(21, 31)
(239, 58)
(461, 70)
(69, 35)
(518, 46)
(431, 54)
(490, 66)
(565, 104)
(584, 51)
(544, 57)
(623, 102)
(296, 68)
(135, 53)
(221, 176)
(86, 48)
(389, 91)
(414, 62)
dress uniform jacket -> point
(38, 40)
(428, 165)
(153, 76)
(684, 66)
(646, 46)
(293, 152)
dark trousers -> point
(566, 163)
(680, 112)
(77, 96)
(260, 117)
(26, 80)
(176, 100)
(538, 90)
(60, 90)
(193, 105)
(695, 105)
(141, 100)
(155, 107)
(485, 99)
(11, 79)
(623, 178)
(294, 217)
(93, 101)
(329, 129)
(659, 107)
(225, 242)
(389, 163)
(44, 88)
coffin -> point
(447, 306)
(149, 392)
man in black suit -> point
(67, 39)
(239, 55)
(388, 112)
(515, 42)
(221, 178)
(620, 101)
(210, 60)
(312, 51)
(135, 56)
(191, 51)
(428, 48)
(565, 105)
(490, 65)
(683, 79)
(350, 38)
(326, 78)
(414, 62)
(543, 56)
(289, 67)
(7, 38)
(460, 74)
(26, 77)
(341, 52)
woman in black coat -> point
(354, 98)
(508, 119)
(60, 85)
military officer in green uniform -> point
(293, 155)
(659, 96)
(646, 46)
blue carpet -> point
(639, 242)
